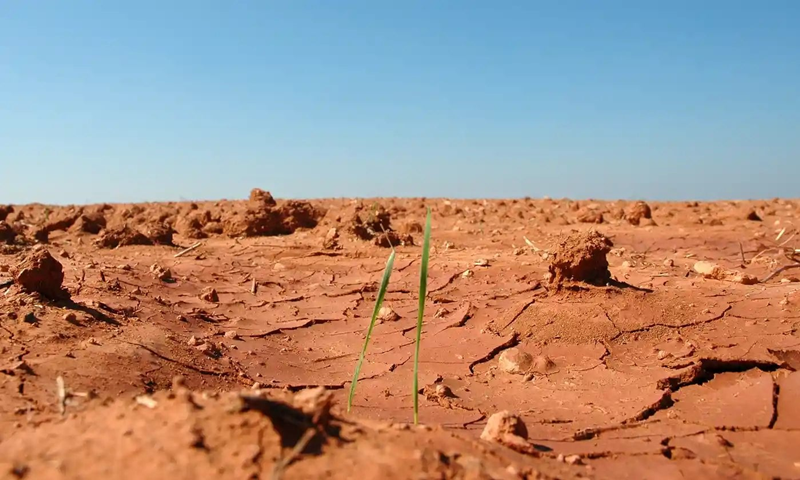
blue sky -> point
(169, 100)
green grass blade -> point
(423, 292)
(378, 302)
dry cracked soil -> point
(562, 339)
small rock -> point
(573, 459)
(278, 267)
(669, 263)
(192, 342)
(30, 318)
(481, 262)
(515, 361)
(231, 334)
(467, 274)
(626, 264)
(70, 317)
(663, 354)
(386, 314)
(255, 386)
(209, 294)
(709, 270)
(528, 377)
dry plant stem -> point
(779, 270)
(61, 392)
(187, 250)
(280, 465)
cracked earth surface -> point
(662, 374)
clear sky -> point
(177, 99)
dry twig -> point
(187, 250)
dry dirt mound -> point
(263, 217)
(581, 257)
(120, 237)
(58, 220)
(376, 225)
(185, 435)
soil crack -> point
(511, 342)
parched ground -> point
(665, 368)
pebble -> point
(70, 317)
(386, 314)
(232, 334)
(515, 360)
(708, 269)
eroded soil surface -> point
(149, 361)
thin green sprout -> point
(423, 291)
(378, 302)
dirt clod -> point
(376, 222)
(515, 360)
(331, 240)
(581, 256)
(120, 237)
(636, 212)
(43, 274)
(5, 211)
(590, 216)
(209, 294)
(160, 234)
(262, 198)
(508, 430)
(752, 216)
(92, 222)
(161, 273)
(543, 364)
(7, 234)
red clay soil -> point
(583, 330)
